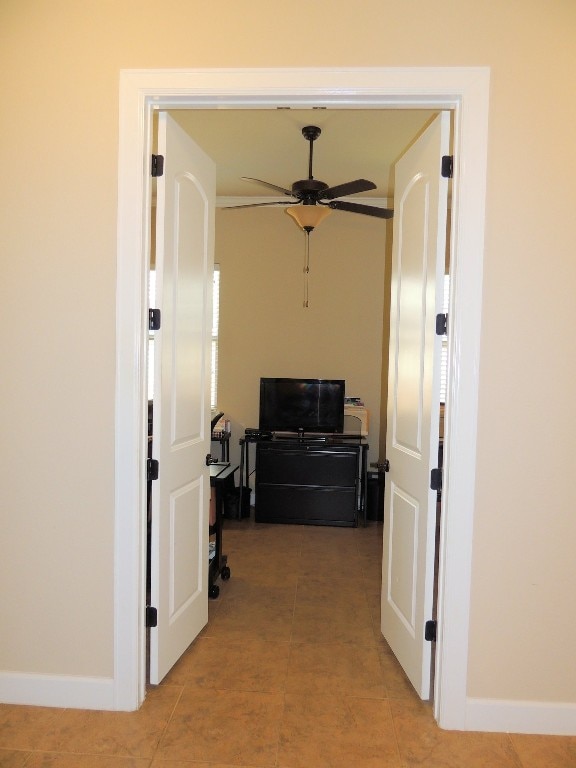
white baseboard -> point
(57, 691)
(492, 715)
(552, 719)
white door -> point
(418, 258)
(180, 496)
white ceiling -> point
(268, 145)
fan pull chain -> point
(306, 269)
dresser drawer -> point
(297, 504)
(310, 468)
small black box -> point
(231, 503)
(375, 496)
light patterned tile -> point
(268, 618)
(238, 665)
(52, 760)
(10, 758)
(334, 543)
(258, 558)
(134, 734)
(324, 623)
(262, 568)
(337, 732)
(323, 588)
(24, 727)
(370, 539)
(545, 751)
(239, 728)
(373, 600)
(372, 569)
(336, 669)
(328, 534)
(254, 579)
(423, 743)
(280, 537)
(332, 565)
(160, 763)
(291, 672)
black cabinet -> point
(309, 482)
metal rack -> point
(221, 479)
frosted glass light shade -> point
(308, 215)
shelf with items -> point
(221, 480)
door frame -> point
(465, 91)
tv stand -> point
(311, 479)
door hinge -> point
(151, 616)
(157, 168)
(154, 319)
(436, 480)
(152, 468)
(447, 166)
(430, 630)
(441, 324)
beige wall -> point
(59, 65)
(264, 329)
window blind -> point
(215, 329)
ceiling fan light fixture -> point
(307, 217)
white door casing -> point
(180, 495)
(418, 258)
(465, 90)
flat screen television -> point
(308, 405)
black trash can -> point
(231, 503)
(375, 496)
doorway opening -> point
(464, 90)
(216, 130)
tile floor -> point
(291, 672)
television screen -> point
(310, 405)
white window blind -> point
(215, 327)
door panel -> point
(180, 498)
(418, 257)
(403, 539)
(409, 341)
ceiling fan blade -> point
(367, 210)
(258, 205)
(350, 188)
(267, 184)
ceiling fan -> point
(312, 192)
